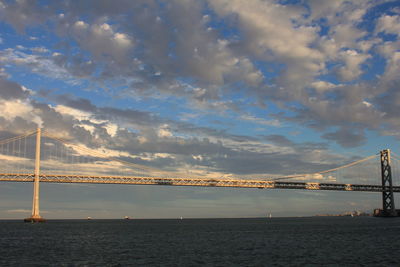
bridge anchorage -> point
(388, 207)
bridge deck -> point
(261, 184)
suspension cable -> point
(326, 171)
(145, 168)
(101, 155)
(396, 159)
(394, 155)
(9, 140)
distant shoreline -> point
(178, 219)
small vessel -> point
(89, 218)
(181, 218)
(127, 218)
(270, 216)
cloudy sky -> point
(220, 87)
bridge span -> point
(260, 184)
(66, 162)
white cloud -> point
(40, 49)
(80, 25)
(37, 63)
(352, 68)
(388, 24)
(164, 131)
(75, 113)
(270, 31)
(155, 156)
(261, 121)
(323, 86)
(12, 109)
(392, 69)
(122, 40)
(366, 103)
(88, 120)
(101, 40)
(346, 35)
(111, 128)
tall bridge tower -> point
(388, 207)
(35, 203)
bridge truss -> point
(260, 184)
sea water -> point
(313, 241)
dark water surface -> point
(315, 241)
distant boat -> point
(89, 218)
(127, 218)
(181, 218)
(270, 216)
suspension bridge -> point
(40, 156)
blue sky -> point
(232, 87)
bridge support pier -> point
(388, 208)
(35, 202)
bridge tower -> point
(35, 202)
(388, 208)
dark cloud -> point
(11, 90)
(274, 163)
(283, 141)
(23, 14)
(389, 103)
(77, 103)
(346, 137)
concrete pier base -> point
(34, 219)
(383, 213)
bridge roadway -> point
(261, 184)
